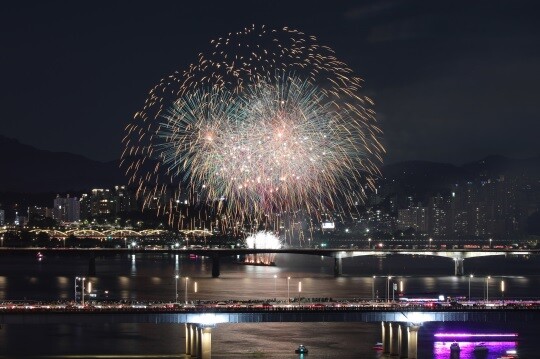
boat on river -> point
(302, 349)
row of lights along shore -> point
(388, 281)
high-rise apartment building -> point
(413, 217)
(66, 209)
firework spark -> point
(268, 120)
(262, 240)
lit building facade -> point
(66, 209)
(413, 217)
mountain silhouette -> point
(431, 177)
(26, 169)
(31, 170)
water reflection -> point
(473, 349)
(3, 287)
(133, 265)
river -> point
(152, 277)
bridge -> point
(399, 324)
(457, 255)
(108, 233)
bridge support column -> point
(459, 268)
(198, 343)
(338, 267)
(393, 329)
(188, 339)
(215, 266)
(403, 341)
(386, 337)
(412, 342)
(194, 344)
(206, 343)
(398, 341)
(383, 337)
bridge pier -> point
(400, 340)
(391, 339)
(198, 341)
(383, 338)
(194, 341)
(215, 266)
(403, 341)
(395, 341)
(412, 343)
(206, 343)
(189, 333)
(338, 266)
(459, 268)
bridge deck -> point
(330, 252)
(212, 317)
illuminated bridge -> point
(93, 233)
(399, 326)
(456, 255)
(110, 233)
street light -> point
(470, 276)
(75, 289)
(388, 288)
(176, 288)
(186, 294)
(299, 292)
(490, 242)
(82, 291)
(275, 285)
(373, 289)
(369, 243)
(487, 288)
(430, 242)
(502, 290)
(288, 291)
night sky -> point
(453, 81)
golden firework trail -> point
(267, 122)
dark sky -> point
(453, 81)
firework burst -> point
(269, 121)
(262, 240)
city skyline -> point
(496, 205)
(452, 82)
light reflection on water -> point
(496, 349)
